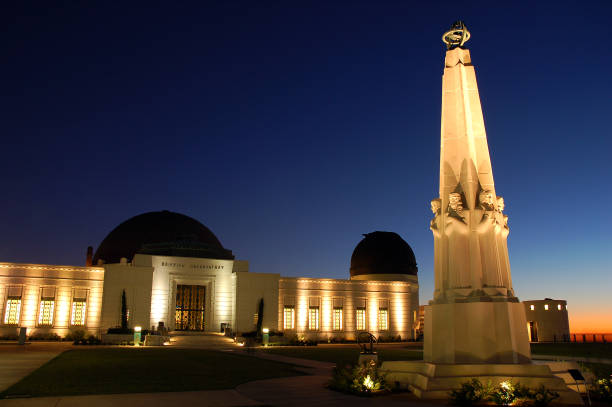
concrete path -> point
(212, 341)
(213, 398)
(17, 361)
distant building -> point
(547, 320)
(175, 273)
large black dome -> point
(162, 233)
(383, 253)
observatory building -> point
(176, 273)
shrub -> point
(470, 393)
(76, 336)
(49, 336)
(362, 380)
(9, 337)
(542, 396)
(504, 394)
(602, 389)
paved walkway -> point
(17, 361)
(212, 398)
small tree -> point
(124, 314)
(260, 316)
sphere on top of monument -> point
(457, 36)
(161, 233)
(383, 256)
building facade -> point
(172, 271)
(547, 320)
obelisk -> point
(474, 326)
(474, 316)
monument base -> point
(476, 331)
(435, 381)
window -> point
(289, 313)
(532, 307)
(360, 319)
(337, 319)
(559, 307)
(12, 311)
(546, 307)
(313, 318)
(383, 319)
(79, 306)
(45, 313)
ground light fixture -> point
(266, 336)
(137, 333)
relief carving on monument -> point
(456, 235)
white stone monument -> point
(475, 325)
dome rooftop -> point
(161, 233)
(383, 253)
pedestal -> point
(476, 332)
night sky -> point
(291, 128)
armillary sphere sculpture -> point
(365, 338)
(456, 36)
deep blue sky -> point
(291, 128)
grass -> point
(343, 355)
(130, 370)
(589, 349)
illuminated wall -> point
(547, 320)
(57, 285)
(216, 275)
(399, 298)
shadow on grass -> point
(144, 370)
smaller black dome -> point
(383, 253)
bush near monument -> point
(504, 394)
(362, 379)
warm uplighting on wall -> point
(546, 307)
(532, 307)
(399, 313)
(326, 314)
(559, 307)
(302, 313)
(373, 313)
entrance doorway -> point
(190, 300)
(532, 329)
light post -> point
(266, 336)
(137, 331)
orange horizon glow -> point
(596, 323)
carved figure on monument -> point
(488, 241)
(436, 228)
(456, 234)
(501, 234)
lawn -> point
(589, 349)
(343, 355)
(142, 370)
